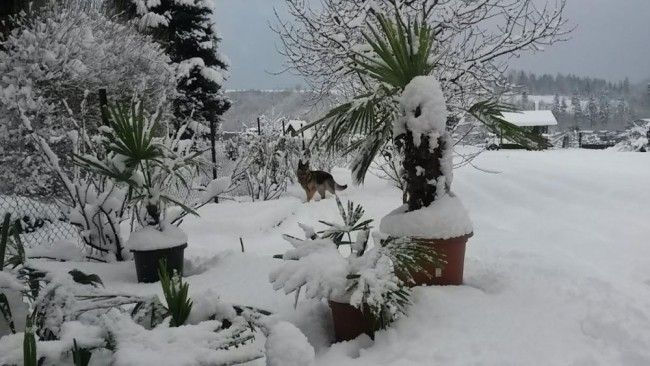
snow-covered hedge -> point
(637, 138)
(265, 164)
(52, 68)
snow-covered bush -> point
(149, 167)
(74, 316)
(636, 138)
(366, 278)
(265, 163)
(52, 68)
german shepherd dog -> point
(313, 181)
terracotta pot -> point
(349, 322)
(453, 252)
(146, 262)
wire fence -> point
(42, 222)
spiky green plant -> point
(175, 291)
(137, 157)
(80, 356)
(4, 239)
(12, 251)
(398, 52)
(351, 223)
(29, 344)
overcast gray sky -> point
(612, 41)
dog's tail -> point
(340, 187)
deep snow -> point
(556, 273)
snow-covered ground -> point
(557, 272)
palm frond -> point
(490, 114)
(400, 52)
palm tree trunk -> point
(423, 169)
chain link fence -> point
(42, 222)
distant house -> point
(293, 126)
(539, 121)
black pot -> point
(146, 262)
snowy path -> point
(557, 273)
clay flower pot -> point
(444, 218)
(452, 251)
(349, 322)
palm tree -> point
(400, 51)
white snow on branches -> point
(188, 345)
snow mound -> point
(150, 238)
(424, 108)
(445, 218)
(188, 345)
(215, 188)
(9, 281)
(287, 346)
(59, 250)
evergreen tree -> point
(604, 110)
(626, 86)
(184, 28)
(524, 100)
(592, 111)
(622, 113)
(556, 105)
(577, 110)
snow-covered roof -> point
(530, 118)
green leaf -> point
(80, 356)
(175, 291)
(490, 114)
(29, 344)
(4, 239)
(5, 309)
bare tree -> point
(474, 40)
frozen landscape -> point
(556, 270)
(327, 182)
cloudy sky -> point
(612, 41)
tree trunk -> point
(422, 168)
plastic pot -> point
(452, 252)
(349, 322)
(146, 262)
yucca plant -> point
(176, 295)
(398, 51)
(351, 223)
(139, 158)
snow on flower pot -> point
(445, 227)
(150, 245)
(349, 321)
